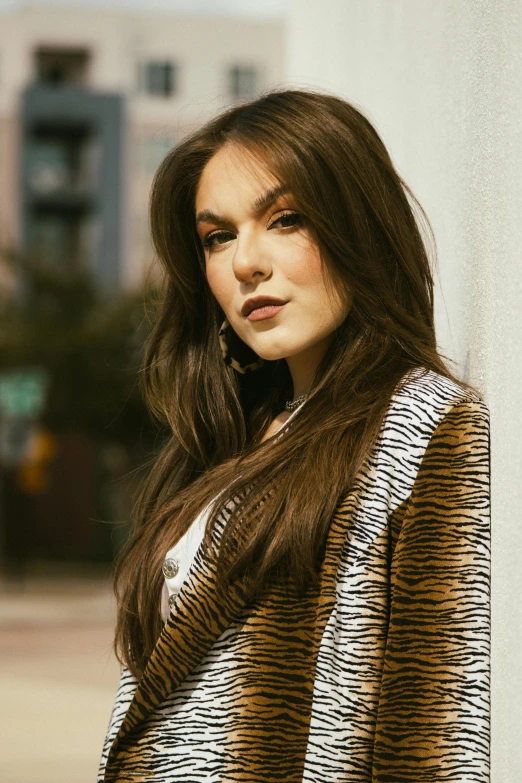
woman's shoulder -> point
(426, 408)
(422, 387)
(422, 400)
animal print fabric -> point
(380, 674)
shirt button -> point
(172, 600)
(170, 568)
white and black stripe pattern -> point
(382, 674)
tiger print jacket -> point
(380, 675)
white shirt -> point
(179, 558)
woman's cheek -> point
(218, 286)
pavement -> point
(58, 677)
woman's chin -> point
(271, 355)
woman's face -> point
(257, 245)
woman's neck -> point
(303, 365)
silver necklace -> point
(291, 405)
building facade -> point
(91, 100)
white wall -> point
(442, 81)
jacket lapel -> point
(201, 615)
(198, 618)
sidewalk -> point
(58, 678)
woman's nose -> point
(250, 260)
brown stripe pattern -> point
(381, 675)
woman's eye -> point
(287, 220)
(217, 238)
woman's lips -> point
(265, 311)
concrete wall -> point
(442, 81)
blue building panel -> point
(72, 179)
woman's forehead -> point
(234, 176)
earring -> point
(245, 359)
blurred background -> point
(93, 95)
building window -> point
(56, 237)
(58, 158)
(159, 78)
(242, 81)
(60, 67)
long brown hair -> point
(361, 215)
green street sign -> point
(23, 392)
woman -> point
(305, 595)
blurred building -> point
(91, 100)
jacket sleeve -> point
(433, 715)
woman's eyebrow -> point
(261, 203)
(269, 197)
(206, 216)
